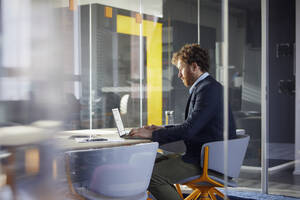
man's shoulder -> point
(207, 82)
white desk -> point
(63, 142)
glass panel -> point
(27, 91)
(34, 57)
(110, 75)
(74, 98)
(283, 178)
(245, 82)
(73, 65)
(116, 76)
(179, 28)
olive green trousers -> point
(168, 170)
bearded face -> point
(185, 73)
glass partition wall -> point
(281, 160)
(244, 82)
(117, 54)
(33, 58)
(122, 59)
(119, 68)
(114, 60)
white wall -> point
(297, 100)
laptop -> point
(120, 127)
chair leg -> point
(179, 190)
(212, 195)
(193, 195)
(198, 195)
(217, 192)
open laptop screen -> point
(118, 121)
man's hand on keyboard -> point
(152, 127)
(141, 132)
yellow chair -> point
(212, 162)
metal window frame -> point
(264, 95)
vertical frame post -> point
(264, 95)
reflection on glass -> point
(245, 82)
(115, 67)
(115, 70)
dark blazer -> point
(203, 120)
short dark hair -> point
(191, 53)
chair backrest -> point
(114, 172)
(236, 152)
(124, 103)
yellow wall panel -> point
(153, 33)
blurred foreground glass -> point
(34, 58)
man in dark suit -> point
(203, 123)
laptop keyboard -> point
(132, 137)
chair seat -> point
(94, 196)
(212, 162)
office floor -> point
(282, 182)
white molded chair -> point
(118, 173)
(212, 163)
(124, 104)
